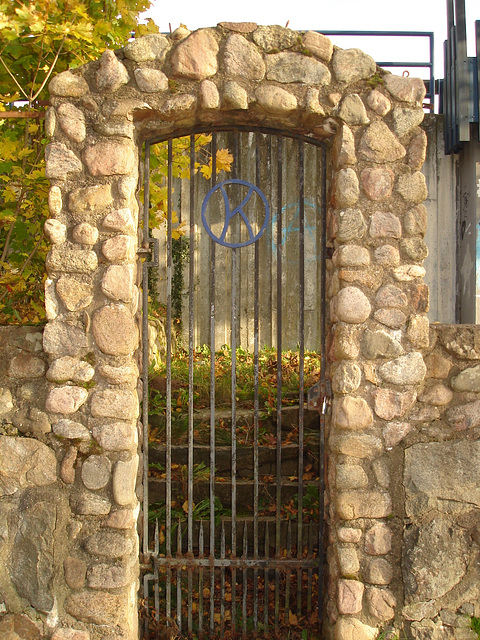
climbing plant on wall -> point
(37, 39)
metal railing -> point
(426, 64)
(459, 91)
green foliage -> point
(180, 257)
(181, 170)
(245, 382)
(38, 39)
(475, 625)
(392, 634)
(244, 376)
(375, 80)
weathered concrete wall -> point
(468, 231)
(441, 234)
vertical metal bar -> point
(288, 572)
(256, 406)
(477, 51)
(431, 39)
(156, 585)
(447, 89)
(323, 360)
(191, 311)
(279, 377)
(145, 545)
(212, 403)
(301, 295)
(462, 72)
(145, 363)
(200, 582)
(310, 570)
(245, 584)
(236, 169)
(449, 86)
(168, 411)
(234, 434)
(266, 589)
(146, 625)
(179, 578)
(222, 582)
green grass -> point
(245, 382)
(475, 625)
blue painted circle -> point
(230, 214)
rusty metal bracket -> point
(145, 251)
(320, 397)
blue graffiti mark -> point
(293, 226)
(229, 214)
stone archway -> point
(99, 117)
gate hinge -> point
(145, 250)
(145, 561)
(320, 397)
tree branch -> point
(50, 71)
(13, 78)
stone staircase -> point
(245, 478)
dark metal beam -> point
(461, 63)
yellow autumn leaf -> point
(224, 160)
(206, 170)
(185, 506)
(292, 619)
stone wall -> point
(55, 541)
(257, 76)
(441, 539)
(34, 512)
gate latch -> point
(320, 397)
(144, 251)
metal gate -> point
(234, 544)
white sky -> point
(360, 15)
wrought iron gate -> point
(237, 544)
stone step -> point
(244, 417)
(223, 491)
(245, 460)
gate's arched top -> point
(233, 74)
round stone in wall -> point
(350, 65)
(111, 74)
(115, 330)
(274, 38)
(351, 225)
(72, 121)
(275, 100)
(151, 80)
(347, 377)
(242, 59)
(407, 369)
(68, 85)
(379, 144)
(96, 472)
(65, 399)
(196, 56)
(377, 183)
(353, 305)
(153, 46)
(352, 413)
